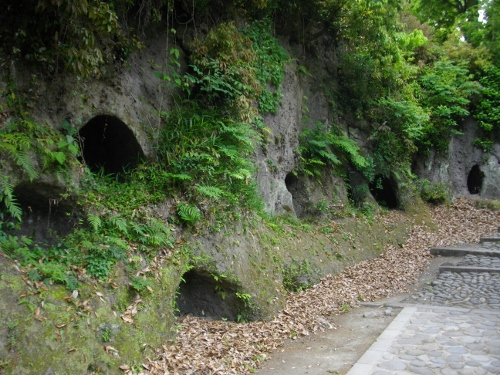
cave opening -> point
(206, 295)
(108, 144)
(291, 182)
(383, 190)
(475, 180)
(46, 215)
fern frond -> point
(22, 159)
(112, 240)
(8, 198)
(179, 176)
(210, 191)
(188, 212)
(119, 223)
(138, 229)
(94, 221)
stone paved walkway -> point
(450, 327)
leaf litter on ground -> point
(206, 347)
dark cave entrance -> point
(109, 144)
(296, 188)
(475, 180)
(205, 295)
(291, 182)
(46, 215)
(384, 192)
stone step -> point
(489, 239)
(454, 251)
(468, 269)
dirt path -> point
(335, 351)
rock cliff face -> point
(122, 109)
(118, 120)
(465, 168)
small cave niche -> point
(475, 180)
(46, 216)
(295, 187)
(292, 184)
(203, 295)
(383, 190)
(109, 144)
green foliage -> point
(208, 156)
(297, 276)
(443, 14)
(82, 35)
(269, 65)
(435, 194)
(23, 142)
(188, 213)
(488, 108)
(106, 334)
(391, 152)
(23, 135)
(8, 199)
(50, 264)
(447, 89)
(16, 146)
(322, 146)
(223, 71)
(231, 68)
(140, 284)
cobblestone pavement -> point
(450, 327)
(464, 289)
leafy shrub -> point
(435, 194)
(83, 35)
(488, 108)
(223, 72)
(207, 156)
(447, 89)
(322, 146)
(269, 65)
(297, 276)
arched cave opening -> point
(383, 190)
(204, 295)
(291, 182)
(109, 144)
(475, 180)
(46, 215)
(296, 188)
(293, 185)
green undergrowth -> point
(202, 164)
(326, 146)
(33, 149)
(493, 205)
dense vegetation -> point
(411, 70)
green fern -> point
(8, 198)
(94, 221)
(112, 240)
(321, 146)
(119, 223)
(17, 145)
(138, 229)
(210, 191)
(154, 233)
(189, 213)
